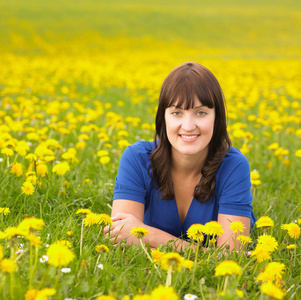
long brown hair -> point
(181, 87)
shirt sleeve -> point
(235, 193)
(129, 183)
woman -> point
(190, 174)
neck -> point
(190, 165)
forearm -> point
(157, 236)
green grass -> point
(122, 51)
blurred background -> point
(88, 74)
(217, 29)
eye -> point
(201, 113)
(176, 113)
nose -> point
(188, 123)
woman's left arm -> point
(228, 238)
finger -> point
(108, 228)
(120, 216)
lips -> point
(188, 136)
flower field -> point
(80, 82)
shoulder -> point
(233, 160)
(138, 153)
(141, 150)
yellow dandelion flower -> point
(8, 265)
(162, 293)
(265, 222)
(254, 175)
(34, 240)
(92, 219)
(292, 229)
(237, 226)
(83, 137)
(227, 267)
(244, 239)
(213, 228)
(139, 232)
(11, 232)
(105, 297)
(299, 221)
(49, 158)
(195, 232)
(81, 145)
(239, 293)
(4, 210)
(85, 181)
(31, 157)
(173, 260)
(1, 252)
(31, 223)
(123, 144)
(63, 243)
(104, 160)
(102, 153)
(272, 290)
(188, 264)
(272, 272)
(273, 146)
(291, 247)
(105, 220)
(69, 233)
(268, 241)
(142, 297)
(61, 168)
(298, 153)
(261, 253)
(7, 151)
(31, 294)
(157, 255)
(83, 211)
(43, 294)
(102, 248)
(27, 188)
(31, 177)
(59, 255)
(17, 169)
(42, 169)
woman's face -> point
(190, 131)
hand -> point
(122, 225)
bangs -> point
(186, 89)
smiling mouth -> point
(189, 136)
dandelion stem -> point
(169, 275)
(143, 248)
(226, 280)
(44, 277)
(96, 263)
(57, 278)
(21, 254)
(35, 262)
(30, 266)
(191, 244)
(81, 239)
(215, 254)
(12, 281)
(196, 252)
(100, 230)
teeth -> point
(189, 136)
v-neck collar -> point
(182, 226)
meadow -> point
(79, 82)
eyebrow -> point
(192, 108)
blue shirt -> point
(232, 191)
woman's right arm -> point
(127, 214)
